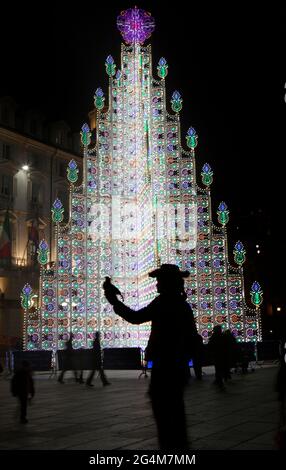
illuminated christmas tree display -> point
(138, 206)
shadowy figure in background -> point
(198, 357)
(22, 387)
(173, 334)
(97, 362)
(281, 389)
(231, 353)
(68, 361)
(218, 349)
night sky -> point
(226, 60)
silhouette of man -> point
(97, 362)
(172, 337)
(22, 387)
(68, 361)
(218, 347)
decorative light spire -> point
(256, 294)
(176, 102)
(43, 252)
(72, 171)
(99, 99)
(57, 211)
(207, 175)
(135, 25)
(239, 253)
(110, 66)
(85, 135)
(223, 214)
(192, 138)
(26, 296)
(162, 68)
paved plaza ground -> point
(73, 416)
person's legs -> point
(167, 399)
(90, 378)
(23, 408)
(103, 377)
(61, 376)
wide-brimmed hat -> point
(169, 270)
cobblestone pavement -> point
(73, 416)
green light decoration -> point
(207, 175)
(26, 297)
(85, 135)
(43, 252)
(57, 211)
(110, 66)
(256, 294)
(176, 102)
(72, 172)
(99, 99)
(239, 253)
(162, 68)
(223, 214)
(192, 138)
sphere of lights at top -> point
(135, 25)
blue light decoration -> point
(118, 77)
(176, 102)
(223, 214)
(207, 175)
(192, 138)
(43, 252)
(256, 294)
(85, 135)
(110, 66)
(72, 171)
(162, 68)
(57, 211)
(239, 253)
(99, 99)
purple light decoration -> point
(110, 60)
(98, 93)
(176, 95)
(239, 246)
(162, 62)
(222, 207)
(135, 25)
(57, 204)
(256, 287)
(191, 132)
(206, 168)
(43, 245)
(118, 74)
(27, 289)
(72, 163)
(85, 127)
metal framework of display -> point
(138, 206)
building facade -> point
(33, 159)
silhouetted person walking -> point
(169, 348)
(22, 387)
(231, 353)
(218, 348)
(68, 361)
(97, 362)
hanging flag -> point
(5, 239)
(34, 234)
